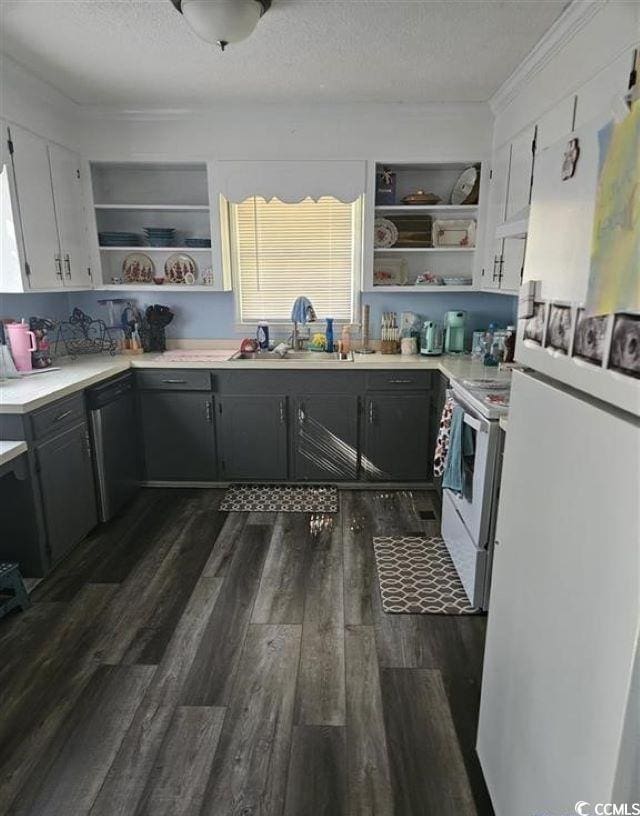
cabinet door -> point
(512, 263)
(12, 278)
(37, 215)
(326, 437)
(496, 211)
(520, 173)
(252, 437)
(67, 197)
(397, 437)
(68, 489)
(178, 436)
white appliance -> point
(468, 518)
(558, 700)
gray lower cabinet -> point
(178, 436)
(325, 437)
(396, 444)
(252, 437)
(68, 490)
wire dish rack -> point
(81, 334)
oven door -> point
(473, 505)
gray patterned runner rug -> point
(417, 576)
(281, 499)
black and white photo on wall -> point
(589, 342)
(534, 325)
(558, 336)
(625, 345)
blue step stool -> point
(13, 592)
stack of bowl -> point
(160, 236)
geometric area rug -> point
(417, 576)
(281, 499)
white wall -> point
(28, 101)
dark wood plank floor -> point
(188, 662)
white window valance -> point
(290, 181)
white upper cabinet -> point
(65, 176)
(520, 172)
(46, 204)
(496, 211)
(34, 199)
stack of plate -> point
(160, 236)
(114, 238)
(198, 243)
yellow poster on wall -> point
(614, 279)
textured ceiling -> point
(141, 53)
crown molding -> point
(91, 112)
(573, 18)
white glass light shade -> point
(222, 21)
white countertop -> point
(19, 396)
(10, 450)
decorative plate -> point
(180, 268)
(465, 186)
(454, 233)
(138, 268)
(385, 233)
(390, 272)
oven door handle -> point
(474, 423)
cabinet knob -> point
(301, 414)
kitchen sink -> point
(293, 356)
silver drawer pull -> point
(371, 413)
(175, 382)
(62, 416)
(400, 382)
(67, 263)
(208, 411)
(301, 414)
(282, 413)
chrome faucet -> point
(301, 314)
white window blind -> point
(281, 251)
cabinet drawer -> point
(399, 381)
(57, 416)
(174, 379)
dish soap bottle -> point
(329, 335)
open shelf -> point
(170, 207)
(462, 208)
(153, 249)
(440, 290)
(424, 249)
(148, 287)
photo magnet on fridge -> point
(558, 336)
(625, 345)
(590, 337)
(534, 326)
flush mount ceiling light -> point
(222, 21)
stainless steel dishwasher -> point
(112, 411)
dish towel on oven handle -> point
(442, 442)
(461, 444)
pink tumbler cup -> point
(22, 342)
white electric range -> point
(468, 518)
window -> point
(281, 251)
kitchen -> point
(214, 515)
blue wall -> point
(212, 315)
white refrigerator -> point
(560, 707)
